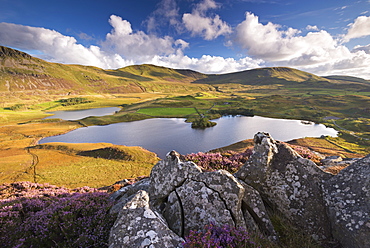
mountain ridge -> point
(20, 71)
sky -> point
(324, 37)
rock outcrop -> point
(290, 183)
(347, 196)
(178, 197)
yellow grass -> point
(58, 164)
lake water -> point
(161, 135)
(80, 114)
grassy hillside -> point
(348, 79)
(19, 72)
(263, 76)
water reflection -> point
(161, 135)
(73, 115)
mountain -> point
(348, 79)
(20, 72)
(263, 76)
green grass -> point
(167, 111)
(77, 165)
(92, 172)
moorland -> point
(31, 87)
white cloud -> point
(268, 41)
(356, 64)
(316, 52)
(272, 44)
(267, 44)
(207, 63)
(366, 49)
(313, 28)
(208, 27)
(138, 45)
(360, 28)
(122, 47)
(54, 46)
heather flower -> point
(219, 236)
(48, 216)
(305, 152)
(230, 160)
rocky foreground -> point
(178, 197)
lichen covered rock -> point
(170, 173)
(138, 226)
(348, 199)
(178, 197)
(290, 183)
(183, 198)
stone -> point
(174, 214)
(202, 206)
(138, 226)
(170, 173)
(229, 189)
(289, 183)
(253, 207)
(178, 197)
(123, 195)
(331, 160)
(347, 196)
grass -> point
(137, 106)
(60, 164)
(167, 111)
(289, 236)
(281, 99)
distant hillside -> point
(263, 76)
(348, 79)
(20, 72)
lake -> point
(161, 135)
(73, 115)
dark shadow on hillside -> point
(107, 153)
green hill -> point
(263, 76)
(20, 72)
(348, 79)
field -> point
(171, 112)
(21, 129)
(34, 87)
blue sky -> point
(330, 37)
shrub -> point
(74, 101)
(306, 153)
(47, 216)
(221, 237)
(230, 160)
(18, 107)
(202, 123)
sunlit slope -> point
(22, 72)
(262, 76)
(288, 77)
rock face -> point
(178, 197)
(290, 183)
(138, 226)
(348, 198)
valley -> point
(30, 87)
